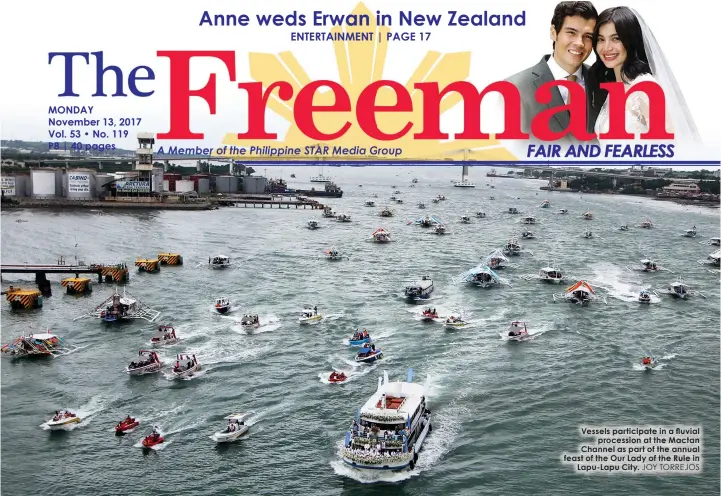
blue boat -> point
(357, 339)
(369, 354)
(420, 290)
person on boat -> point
(315, 310)
(647, 361)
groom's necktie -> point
(573, 78)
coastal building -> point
(682, 188)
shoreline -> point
(680, 201)
(110, 205)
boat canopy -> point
(238, 417)
(582, 286)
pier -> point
(105, 272)
(266, 200)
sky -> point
(132, 32)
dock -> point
(271, 201)
(105, 272)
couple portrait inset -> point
(625, 51)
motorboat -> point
(429, 315)
(680, 290)
(645, 224)
(435, 200)
(337, 377)
(399, 201)
(648, 362)
(440, 229)
(397, 192)
(517, 331)
(370, 203)
(312, 224)
(62, 419)
(334, 254)
(588, 234)
(393, 198)
(390, 428)
(714, 241)
(491, 197)
(690, 233)
(644, 296)
(342, 218)
(545, 204)
(426, 221)
(623, 227)
(250, 321)
(580, 293)
(587, 215)
(117, 308)
(421, 205)
(222, 304)
(465, 219)
(562, 211)
(386, 212)
(528, 219)
(455, 321)
(185, 366)
(359, 338)
(513, 210)
(464, 183)
(292, 176)
(481, 215)
(647, 265)
(219, 262)
(526, 234)
(497, 260)
(148, 364)
(420, 290)
(380, 235)
(126, 426)
(713, 259)
(328, 213)
(441, 197)
(369, 354)
(415, 180)
(482, 276)
(164, 336)
(235, 429)
(41, 344)
(550, 274)
(512, 247)
(153, 439)
(309, 315)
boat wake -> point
(85, 413)
(351, 374)
(534, 333)
(269, 323)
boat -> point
(491, 197)
(649, 363)
(164, 336)
(435, 200)
(250, 321)
(185, 366)
(153, 439)
(222, 304)
(513, 210)
(464, 183)
(644, 296)
(512, 247)
(714, 241)
(359, 338)
(334, 254)
(62, 419)
(421, 205)
(679, 290)
(482, 276)
(441, 197)
(580, 293)
(562, 211)
(528, 219)
(517, 331)
(481, 215)
(320, 178)
(309, 315)
(328, 213)
(415, 180)
(149, 364)
(386, 212)
(713, 259)
(370, 203)
(587, 215)
(645, 224)
(545, 204)
(369, 354)
(550, 274)
(342, 218)
(429, 315)
(690, 233)
(526, 234)
(455, 320)
(41, 344)
(219, 262)
(440, 229)
(393, 198)
(390, 428)
(623, 227)
(117, 308)
(126, 426)
(292, 176)
(419, 290)
(337, 377)
(331, 190)
(380, 235)
(465, 219)
(312, 224)
(426, 221)
(588, 234)
(647, 265)
(497, 260)
(235, 429)
(399, 201)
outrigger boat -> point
(337, 377)
(222, 304)
(386, 212)
(426, 221)
(714, 241)
(517, 331)
(587, 215)
(465, 219)
(690, 233)
(713, 259)
(62, 419)
(250, 321)
(312, 224)
(342, 218)
(482, 276)
(679, 290)
(41, 344)
(420, 290)
(118, 308)
(309, 315)
(185, 366)
(649, 363)
(148, 365)
(429, 315)
(580, 293)
(153, 439)
(549, 273)
(334, 254)
(165, 335)
(644, 296)
(219, 262)
(390, 428)
(359, 338)
(513, 248)
(645, 224)
(528, 219)
(497, 260)
(126, 426)
(526, 234)
(369, 354)
(235, 429)
(545, 204)
(380, 235)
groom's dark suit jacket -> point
(529, 80)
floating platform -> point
(77, 285)
(148, 265)
(24, 298)
(170, 259)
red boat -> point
(429, 314)
(337, 377)
(153, 440)
(126, 425)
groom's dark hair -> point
(571, 9)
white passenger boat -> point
(185, 366)
(517, 331)
(148, 364)
(219, 262)
(62, 419)
(164, 336)
(390, 428)
(419, 290)
(235, 429)
(309, 315)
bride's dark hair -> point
(629, 32)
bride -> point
(627, 51)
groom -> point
(571, 32)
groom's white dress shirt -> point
(560, 73)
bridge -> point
(109, 273)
